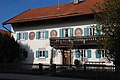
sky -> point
(11, 8)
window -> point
(66, 32)
(88, 53)
(103, 53)
(41, 54)
(98, 54)
(42, 35)
(23, 54)
(22, 36)
(77, 53)
(90, 31)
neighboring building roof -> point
(57, 11)
(4, 33)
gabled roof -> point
(57, 11)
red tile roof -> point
(51, 12)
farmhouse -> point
(59, 34)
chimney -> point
(78, 1)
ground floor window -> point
(23, 54)
(41, 54)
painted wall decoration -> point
(53, 33)
(78, 32)
(31, 35)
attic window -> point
(78, 1)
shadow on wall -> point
(26, 54)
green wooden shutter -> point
(37, 54)
(25, 35)
(46, 34)
(18, 36)
(46, 54)
(98, 54)
(86, 31)
(77, 54)
(71, 31)
(98, 31)
(61, 32)
(89, 53)
(37, 35)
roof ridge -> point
(52, 5)
(52, 12)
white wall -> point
(33, 45)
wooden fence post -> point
(84, 67)
(53, 68)
(41, 68)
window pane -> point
(66, 32)
(43, 53)
(40, 53)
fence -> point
(42, 69)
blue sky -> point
(11, 8)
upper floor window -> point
(89, 31)
(22, 36)
(42, 35)
(66, 32)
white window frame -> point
(42, 50)
(41, 34)
(67, 33)
(42, 55)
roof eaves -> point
(7, 22)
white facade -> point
(43, 44)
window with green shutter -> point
(86, 31)
(18, 36)
(89, 53)
(46, 54)
(37, 54)
(61, 32)
(98, 31)
(71, 31)
(25, 35)
(46, 34)
(77, 54)
(37, 35)
(98, 54)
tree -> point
(109, 20)
(9, 49)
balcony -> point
(83, 42)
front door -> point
(66, 57)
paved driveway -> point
(6, 76)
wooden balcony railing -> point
(73, 42)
